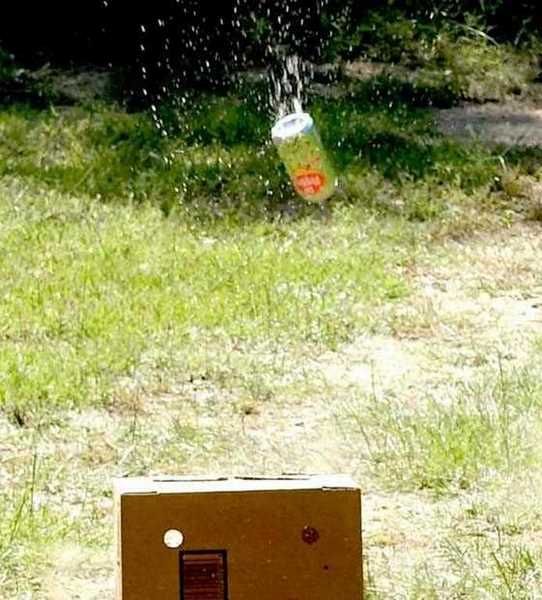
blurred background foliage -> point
(202, 41)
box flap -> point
(198, 485)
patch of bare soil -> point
(511, 124)
(78, 575)
(78, 87)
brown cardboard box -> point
(243, 539)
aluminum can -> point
(304, 156)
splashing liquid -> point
(288, 75)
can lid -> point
(291, 126)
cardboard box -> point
(239, 539)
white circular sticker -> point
(173, 539)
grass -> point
(458, 443)
(452, 59)
(93, 287)
(168, 305)
(479, 554)
(218, 152)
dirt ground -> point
(518, 124)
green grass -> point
(479, 556)
(451, 444)
(217, 158)
(28, 524)
(94, 275)
(453, 60)
(495, 565)
(88, 289)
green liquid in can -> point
(308, 165)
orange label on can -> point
(309, 183)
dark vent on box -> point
(204, 575)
